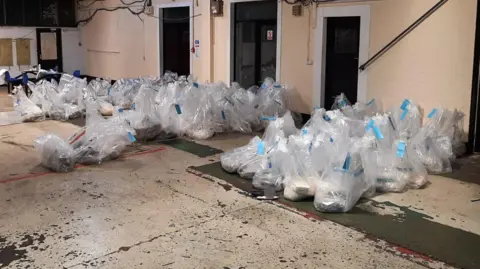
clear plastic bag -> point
(232, 160)
(38, 92)
(122, 93)
(275, 132)
(341, 102)
(278, 128)
(102, 142)
(99, 87)
(406, 120)
(373, 107)
(300, 174)
(27, 109)
(69, 88)
(198, 106)
(72, 111)
(92, 114)
(143, 118)
(342, 184)
(104, 107)
(249, 168)
(272, 176)
(244, 105)
(271, 99)
(55, 153)
(52, 104)
(433, 143)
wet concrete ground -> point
(146, 211)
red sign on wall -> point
(270, 35)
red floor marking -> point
(28, 176)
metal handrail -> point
(402, 35)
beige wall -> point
(432, 65)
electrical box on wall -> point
(297, 10)
(216, 7)
(149, 10)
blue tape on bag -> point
(131, 137)
(346, 164)
(263, 86)
(405, 103)
(18, 101)
(316, 108)
(371, 102)
(120, 110)
(370, 125)
(342, 103)
(401, 149)
(404, 114)
(304, 132)
(108, 91)
(269, 164)
(133, 106)
(327, 118)
(223, 115)
(195, 84)
(179, 110)
(268, 118)
(331, 139)
(260, 148)
(434, 111)
(377, 132)
(310, 146)
(277, 86)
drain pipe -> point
(402, 35)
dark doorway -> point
(49, 49)
(473, 145)
(341, 68)
(254, 42)
(176, 40)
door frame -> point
(231, 44)
(473, 145)
(319, 63)
(159, 8)
(58, 32)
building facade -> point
(315, 49)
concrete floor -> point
(146, 211)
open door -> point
(175, 40)
(341, 68)
(49, 49)
(254, 42)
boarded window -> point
(23, 51)
(6, 57)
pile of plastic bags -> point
(156, 106)
(143, 109)
(349, 152)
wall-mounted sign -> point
(270, 35)
(197, 48)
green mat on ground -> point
(192, 147)
(409, 229)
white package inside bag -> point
(232, 160)
(28, 110)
